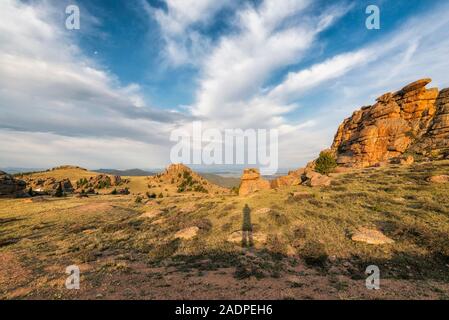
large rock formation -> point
(185, 180)
(10, 187)
(251, 181)
(413, 120)
(48, 185)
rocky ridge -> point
(412, 121)
(185, 180)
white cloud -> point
(57, 105)
(44, 76)
(239, 66)
(45, 150)
(296, 83)
(416, 50)
(183, 43)
(47, 86)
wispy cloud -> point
(54, 100)
(235, 72)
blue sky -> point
(129, 43)
(109, 94)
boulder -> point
(408, 160)
(292, 179)
(262, 211)
(251, 182)
(187, 233)
(439, 179)
(11, 187)
(152, 214)
(371, 236)
(416, 85)
(315, 179)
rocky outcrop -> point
(435, 143)
(293, 178)
(49, 185)
(11, 187)
(185, 180)
(251, 182)
(315, 179)
(412, 120)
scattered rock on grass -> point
(439, 179)
(189, 208)
(263, 211)
(151, 214)
(371, 236)
(187, 233)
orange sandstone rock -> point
(251, 181)
(413, 119)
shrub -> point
(314, 254)
(151, 195)
(114, 192)
(325, 163)
(278, 218)
(138, 199)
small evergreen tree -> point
(326, 163)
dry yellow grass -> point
(112, 242)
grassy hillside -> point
(302, 246)
(71, 173)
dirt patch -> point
(12, 272)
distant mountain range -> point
(14, 170)
(126, 173)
